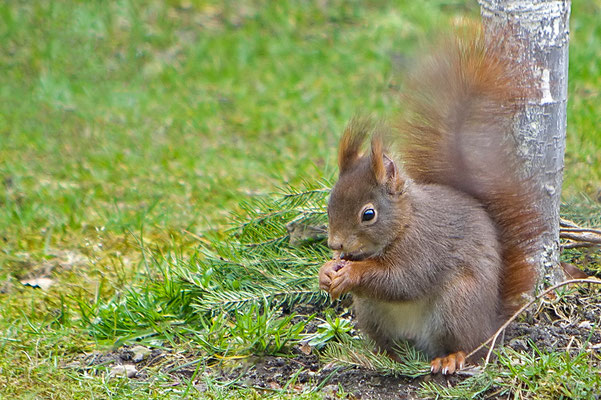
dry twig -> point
(578, 236)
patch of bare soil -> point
(571, 324)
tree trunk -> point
(540, 29)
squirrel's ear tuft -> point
(350, 144)
(377, 159)
(384, 168)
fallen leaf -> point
(573, 272)
(126, 370)
(39, 283)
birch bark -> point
(541, 31)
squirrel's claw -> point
(449, 364)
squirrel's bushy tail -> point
(460, 105)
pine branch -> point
(469, 388)
(259, 259)
(235, 300)
(352, 352)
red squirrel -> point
(438, 250)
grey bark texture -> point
(540, 29)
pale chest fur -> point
(407, 320)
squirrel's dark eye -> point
(368, 214)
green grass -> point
(129, 125)
(533, 375)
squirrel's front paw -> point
(328, 271)
(343, 281)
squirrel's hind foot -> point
(449, 364)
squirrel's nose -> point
(335, 244)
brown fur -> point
(448, 254)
